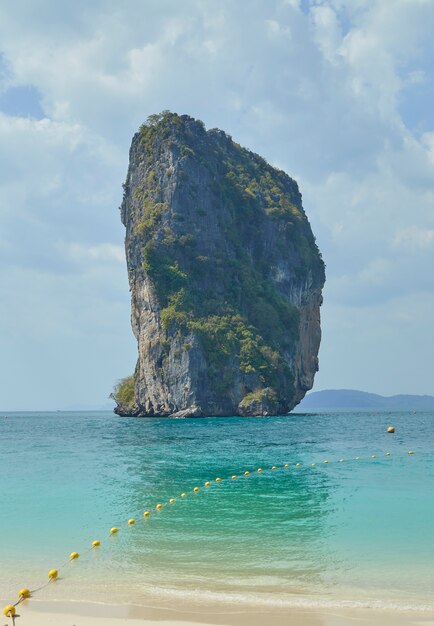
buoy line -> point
(53, 574)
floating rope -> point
(53, 574)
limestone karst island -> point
(225, 277)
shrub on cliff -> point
(123, 392)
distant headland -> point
(353, 399)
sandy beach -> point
(37, 613)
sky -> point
(338, 93)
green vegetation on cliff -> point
(123, 393)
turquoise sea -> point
(356, 532)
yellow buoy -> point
(196, 489)
(159, 506)
(9, 610)
(131, 521)
(391, 429)
(246, 473)
(172, 500)
(24, 593)
(207, 484)
(326, 461)
(341, 460)
(73, 555)
(146, 513)
(298, 465)
(113, 530)
(286, 465)
(313, 464)
(183, 495)
(410, 452)
(260, 469)
(53, 574)
(274, 467)
(218, 480)
(96, 543)
(233, 477)
(373, 456)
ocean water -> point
(356, 532)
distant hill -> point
(353, 399)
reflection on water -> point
(260, 531)
(326, 530)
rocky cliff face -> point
(225, 277)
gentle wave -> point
(204, 598)
(278, 601)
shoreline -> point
(71, 613)
(130, 597)
(195, 605)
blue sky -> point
(338, 93)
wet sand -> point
(36, 613)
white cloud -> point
(382, 348)
(416, 77)
(414, 238)
(327, 32)
(314, 87)
(104, 252)
(427, 141)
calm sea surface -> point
(357, 531)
